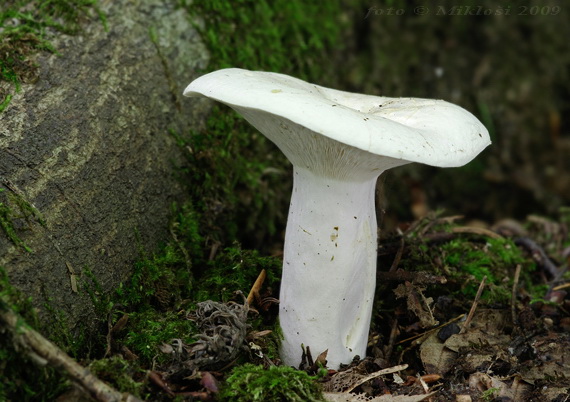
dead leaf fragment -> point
(435, 356)
(417, 303)
(552, 361)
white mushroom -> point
(339, 143)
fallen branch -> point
(43, 352)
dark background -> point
(506, 63)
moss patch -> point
(236, 269)
(465, 259)
(120, 374)
(468, 262)
(26, 28)
(149, 329)
(284, 36)
(16, 213)
(256, 383)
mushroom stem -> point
(330, 251)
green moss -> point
(119, 373)
(100, 299)
(8, 227)
(236, 269)
(162, 278)
(12, 298)
(255, 383)
(154, 297)
(234, 174)
(468, 262)
(489, 394)
(16, 211)
(159, 284)
(21, 380)
(466, 259)
(157, 280)
(26, 27)
(57, 328)
(149, 329)
(280, 35)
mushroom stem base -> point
(329, 268)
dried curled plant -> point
(223, 330)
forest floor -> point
(463, 312)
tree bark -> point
(87, 148)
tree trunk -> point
(87, 164)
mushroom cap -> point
(433, 132)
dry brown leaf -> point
(552, 361)
(476, 337)
(322, 359)
(435, 357)
(484, 349)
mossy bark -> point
(88, 146)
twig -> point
(459, 317)
(214, 250)
(390, 347)
(476, 230)
(437, 237)
(474, 306)
(539, 255)
(398, 256)
(43, 352)
(256, 287)
(563, 286)
(514, 294)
